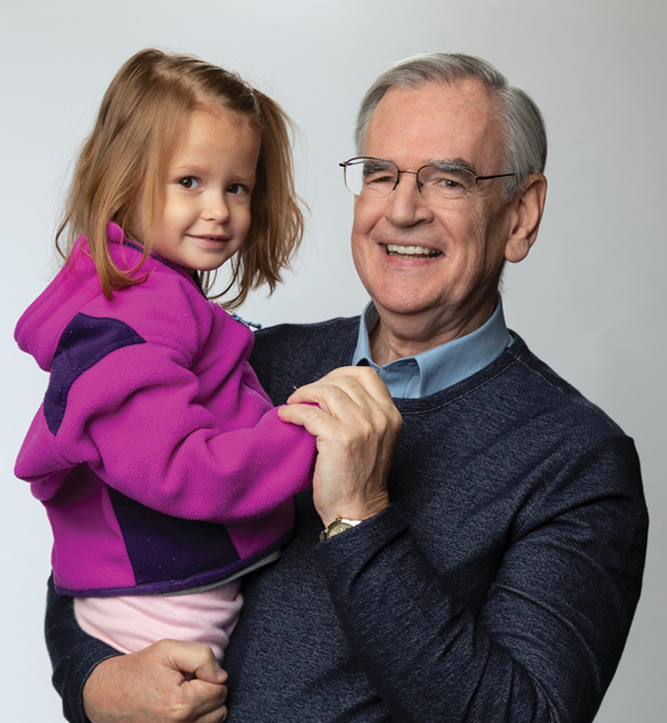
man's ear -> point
(528, 206)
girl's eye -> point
(237, 189)
(189, 182)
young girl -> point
(164, 469)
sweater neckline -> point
(507, 359)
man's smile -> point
(395, 250)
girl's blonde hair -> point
(125, 158)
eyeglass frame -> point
(414, 173)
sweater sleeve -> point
(547, 639)
(73, 653)
(151, 428)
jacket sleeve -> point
(136, 418)
(545, 643)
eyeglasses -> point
(376, 178)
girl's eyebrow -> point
(190, 167)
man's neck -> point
(398, 336)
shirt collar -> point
(440, 367)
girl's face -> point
(209, 180)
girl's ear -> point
(528, 210)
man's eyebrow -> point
(454, 164)
(373, 163)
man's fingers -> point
(349, 400)
(316, 420)
(349, 394)
(338, 414)
(194, 658)
(204, 692)
(205, 700)
(357, 383)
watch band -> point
(336, 527)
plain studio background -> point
(590, 298)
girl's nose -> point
(216, 208)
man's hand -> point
(356, 425)
(168, 681)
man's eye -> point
(452, 184)
(447, 182)
(189, 182)
(378, 179)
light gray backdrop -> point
(589, 299)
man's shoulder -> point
(553, 393)
(291, 355)
(330, 327)
(325, 338)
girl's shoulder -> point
(166, 308)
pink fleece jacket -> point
(159, 458)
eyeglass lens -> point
(374, 178)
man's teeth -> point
(393, 249)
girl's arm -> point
(137, 419)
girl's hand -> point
(169, 681)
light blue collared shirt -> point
(438, 368)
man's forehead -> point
(435, 120)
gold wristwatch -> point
(336, 527)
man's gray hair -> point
(525, 138)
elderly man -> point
(490, 570)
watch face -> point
(337, 529)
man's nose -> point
(406, 203)
(413, 173)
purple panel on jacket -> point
(85, 340)
(193, 550)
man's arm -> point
(541, 649)
(521, 657)
(150, 685)
(547, 639)
(74, 654)
(106, 691)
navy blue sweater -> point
(499, 585)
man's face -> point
(437, 266)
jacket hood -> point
(40, 327)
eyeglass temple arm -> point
(498, 175)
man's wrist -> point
(359, 510)
(340, 524)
